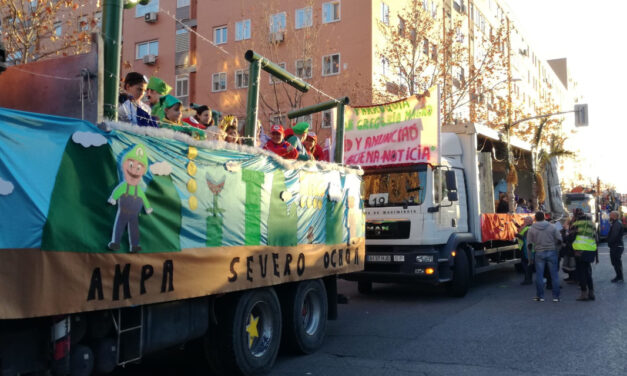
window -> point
(182, 88)
(425, 46)
(401, 27)
(220, 35)
(277, 119)
(58, 28)
(385, 13)
(83, 23)
(98, 20)
(242, 30)
(331, 65)
(182, 41)
(327, 119)
(425, 4)
(141, 10)
(277, 22)
(434, 52)
(434, 9)
(385, 65)
(395, 189)
(303, 68)
(182, 3)
(218, 82)
(274, 80)
(307, 119)
(440, 192)
(147, 48)
(331, 12)
(241, 79)
(303, 18)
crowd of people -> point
(543, 245)
(147, 102)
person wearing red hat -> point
(278, 145)
(312, 147)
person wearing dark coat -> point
(615, 242)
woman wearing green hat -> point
(172, 117)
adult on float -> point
(156, 89)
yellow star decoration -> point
(251, 328)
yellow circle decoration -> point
(193, 202)
(192, 153)
(191, 168)
(192, 186)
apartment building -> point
(198, 47)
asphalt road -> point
(495, 330)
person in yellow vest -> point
(585, 248)
(526, 255)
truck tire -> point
(460, 284)
(305, 316)
(81, 361)
(364, 287)
(105, 350)
(246, 339)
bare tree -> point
(34, 30)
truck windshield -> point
(585, 205)
(395, 188)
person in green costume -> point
(155, 89)
(130, 199)
(296, 136)
(172, 107)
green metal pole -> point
(339, 134)
(317, 108)
(277, 71)
(112, 35)
(250, 129)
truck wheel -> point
(81, 361)
(305, 316)
(364, 287)
(247, 337)
(460, 284)
(106, 355)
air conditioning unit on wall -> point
(151, 17)
(150, 59)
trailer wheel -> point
(305, 316)
(81, 361)
(247, 337)
(460, 284)
(364, 287)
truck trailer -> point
(117, 241)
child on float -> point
(133, 110)
(278, 145)
(295, 137)
(172, 108)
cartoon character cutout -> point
(215, 210)
(130, 199)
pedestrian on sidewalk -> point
(615, 242)
(545, 240)
(525, 252)
(585, 248)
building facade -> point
(335, 45)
